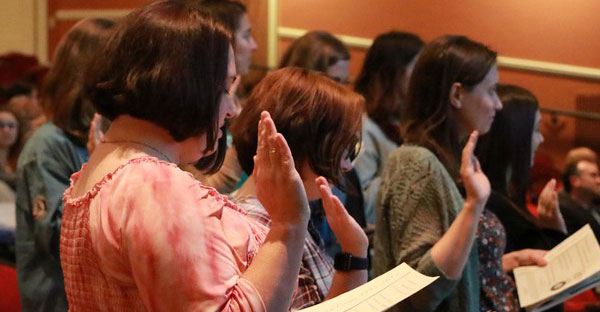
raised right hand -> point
(549, 214)
(476, 183)
(351, 236)
(278, 184)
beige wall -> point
(17, 26)
(563, 32)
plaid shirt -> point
(316, 271)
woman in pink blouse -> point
(140, 234)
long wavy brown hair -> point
(61, 96)
(430, 119)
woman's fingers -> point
(467, 154)
(270, 132)
(261, 146)
(533, 257)
(523, 257)
(325, 192)
(350, 235)
(551, 185)
(334, 209)
(476, 164)
(548, 198)
(284, 153)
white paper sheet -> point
(574, 261)
(379, 294)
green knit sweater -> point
(417, 202)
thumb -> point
(552, 184)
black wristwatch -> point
(347, 262)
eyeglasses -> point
(232, 86)
(9, 125)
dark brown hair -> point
(227, 12)
(380, 79)
(167, 64)
(319, 118)
(316, 50)
(507, 146)
(429, 119)
(61, 94)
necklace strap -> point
(138, 143)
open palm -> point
(475, 181)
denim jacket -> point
(44, 169)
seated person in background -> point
(383, 81)
(11, 141)
(581, 183)
(506, 157)
(51, 155)
(21, 77)
(320, 120)
(10, 137)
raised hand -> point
(523, 257)
(476, 183)
(549, 214)
(278, 184)
(351, 236)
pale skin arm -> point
(451, 252)
(352, 238)
(275, 269)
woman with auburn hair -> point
(138, 233)
(422, 218)
(53, 153)
(320, 120)
(383, 81)
(322, 52)
(319, 51)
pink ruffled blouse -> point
(150, 237)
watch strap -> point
(347, 262)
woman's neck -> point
(6, 167)
(3, 156)
(463, 134)
(158, 142)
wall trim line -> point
(503, 61)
